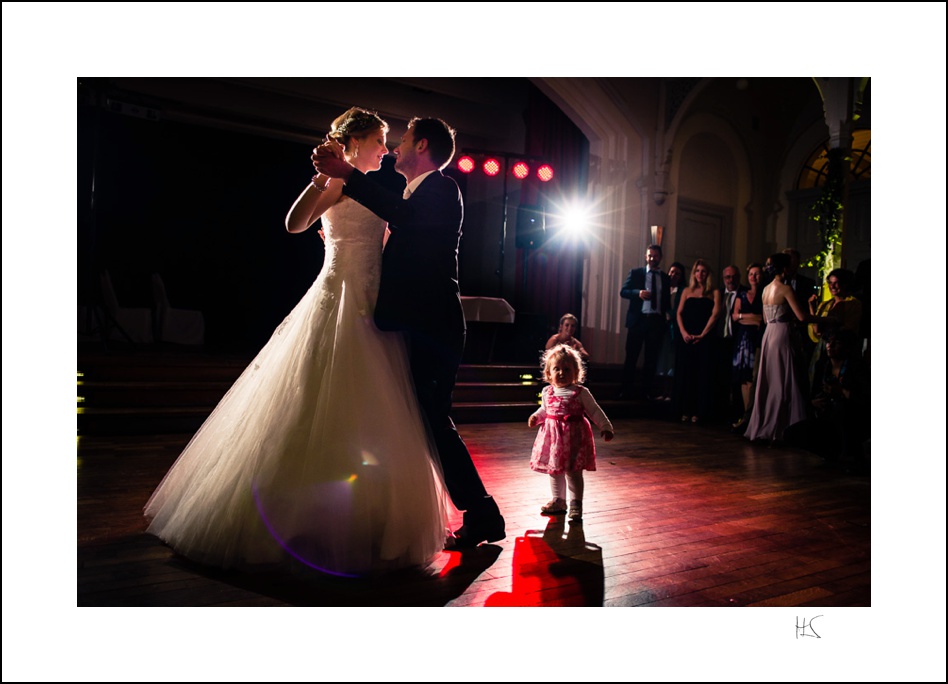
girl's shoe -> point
(575, 512)
(554, 507)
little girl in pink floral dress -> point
(564, 446)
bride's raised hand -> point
(329, 147)
(329, 159)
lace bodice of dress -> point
(778, 313)
(353, 245)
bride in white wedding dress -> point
(318, 452)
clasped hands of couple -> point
(329, 159)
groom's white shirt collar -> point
(411, 187)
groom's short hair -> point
(440, 137)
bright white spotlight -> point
(575, 221)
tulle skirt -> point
(317, 454)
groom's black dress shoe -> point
(475, 531)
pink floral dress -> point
(565, 441)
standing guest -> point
(861, 290)
(748, 320)
(676, 276)
(566, 334)
(419, 297)
(803, 288)
(564, 446)
(727, 391)
(666, 362)
(841, 311)
(779, 400)
(647, 290)
(698, 311)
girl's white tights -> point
(558, 484)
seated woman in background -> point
(839, 428)
(566, 334)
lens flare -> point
(286, 547)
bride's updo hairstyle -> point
(355, 123)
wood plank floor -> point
(676, 515)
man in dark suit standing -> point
(803, 287)
(647, 290)
(419, 296)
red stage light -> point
(545, 173)
(521, 170)
(491, 166)
(466, 164)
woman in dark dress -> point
(698, 311)
(748, 319)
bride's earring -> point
(355, 153)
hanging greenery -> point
(827, 213)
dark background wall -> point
(164, 186)
(203, 207)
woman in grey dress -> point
(779, 399)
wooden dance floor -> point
(676, 515)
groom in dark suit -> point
(419, 296)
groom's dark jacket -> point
(418, 292)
